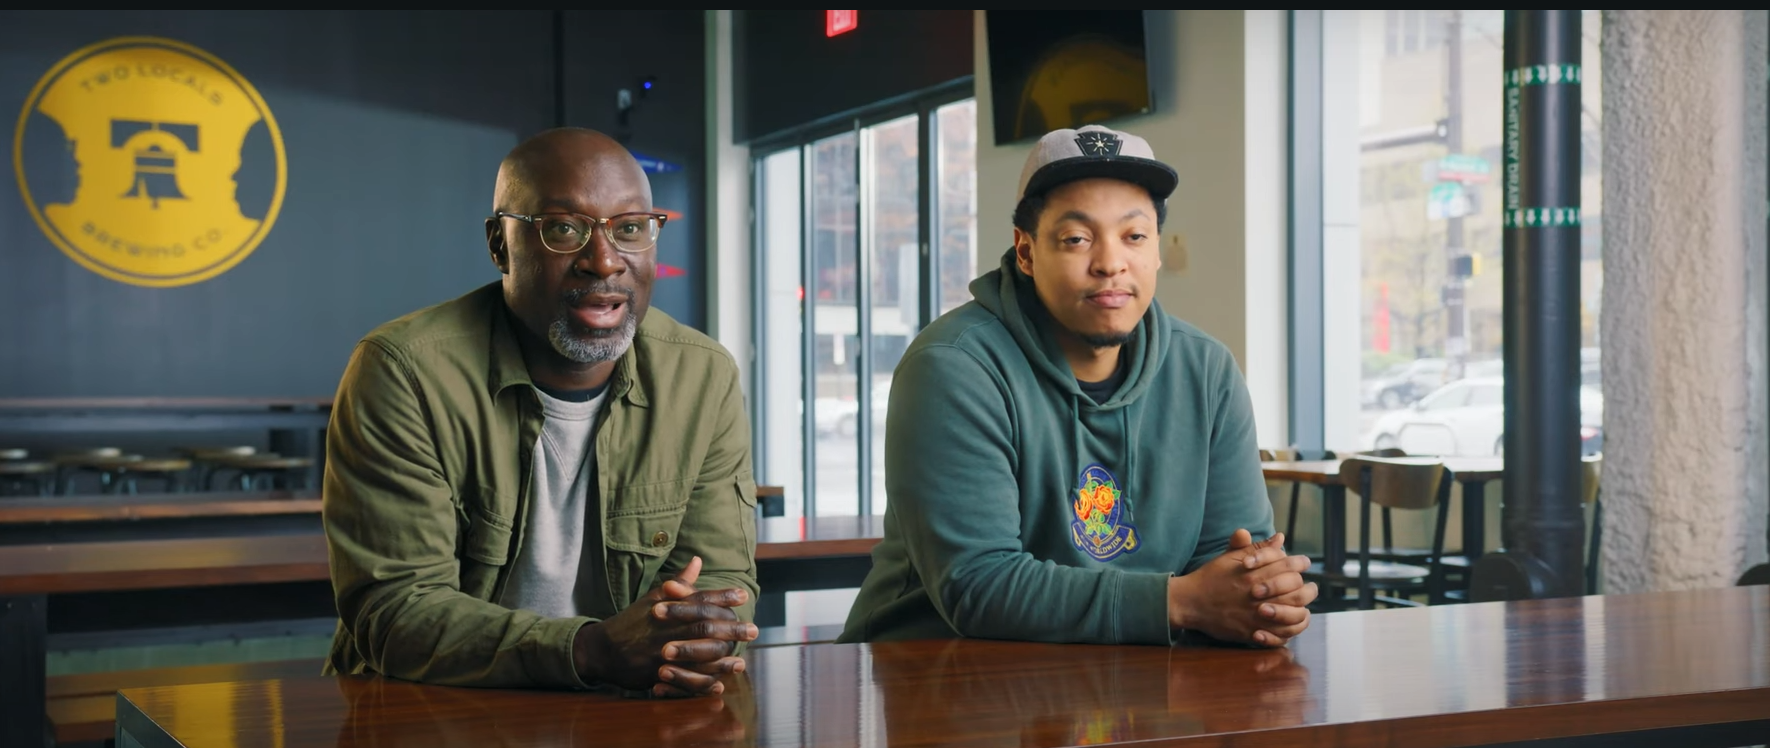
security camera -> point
(624, 97)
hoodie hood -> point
(1011, 297)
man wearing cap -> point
(1064, 462)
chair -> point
(1454, 565)
(1392, 483)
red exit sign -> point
(840, 21)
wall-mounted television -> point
(1056, 69)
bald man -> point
(543, 483)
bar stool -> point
(281, 472)
(70, 464)
(126, 474)
(16, 474)
(207, 460)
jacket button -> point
(660, 540)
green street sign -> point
(1459, 167)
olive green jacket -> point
(429, 459)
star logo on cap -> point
(1098, 143)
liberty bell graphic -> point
(156, 169)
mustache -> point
(573, 296)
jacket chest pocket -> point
(642, 525)
(485, 545)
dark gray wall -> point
(668, 123)
(789, 75)
(393, 125)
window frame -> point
(923, 105)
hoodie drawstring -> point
(1130, 463)
(1075, 435)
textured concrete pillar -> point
(1684, 211)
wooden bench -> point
(83, 707)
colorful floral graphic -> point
(1100, 528)
(1094, 503)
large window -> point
(1421, 92)
(864, 236)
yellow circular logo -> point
(155, 133)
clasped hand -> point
(672, 641)
(1252, 594)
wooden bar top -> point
(158, 564)
(160, 403)
(116, 566)
(783, 537)
(1466, 469)
(1439, 677)
(105, 507)
(110, 508)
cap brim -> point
(1155, 176)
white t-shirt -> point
(551, 574)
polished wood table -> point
(30, 573)
(1474, 473)
(818, 556)
(1673, 668)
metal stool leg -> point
(1290, 524)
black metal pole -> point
(1543, 531)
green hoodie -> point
(1018, 508)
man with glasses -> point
(541, 483)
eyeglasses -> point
(566, 233)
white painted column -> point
(1684, 479)
(1266, 211)
(1344, 54)
(730, 313)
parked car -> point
(1466, 418)
(840, 416)
(1590, 373)
(1492, 367)
(1404, 383)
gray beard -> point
(593, 346)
